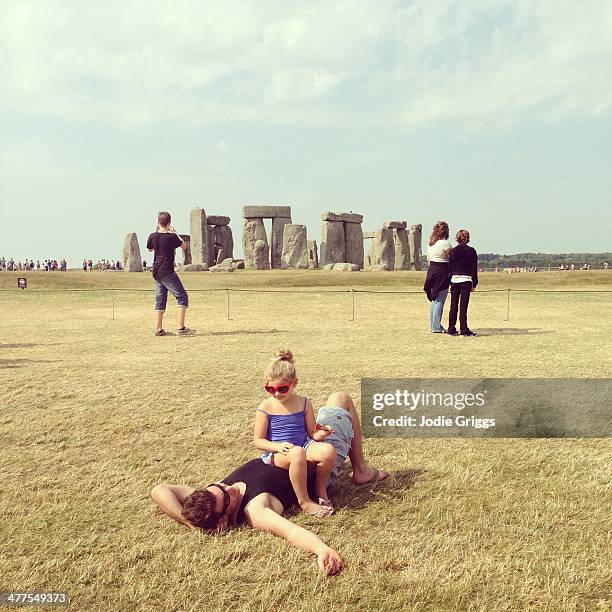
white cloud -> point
(345, 63)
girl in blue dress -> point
(286, 432)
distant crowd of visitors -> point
(49, 265)
(102, 264)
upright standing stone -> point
(278, 225)
(253, 231)
(222, 236)
(402, 251)
(414, 243)
(313, 255)
(353, 240)
(199, 237)
(132, 261)
(295, 247)
(187, 251)
(332, 243)
(261, 255)
(382, 251)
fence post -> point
(508, 306)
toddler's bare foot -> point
(311, 508)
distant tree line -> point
(542, 260)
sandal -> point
(326, 502)
(322, 512)
(161, 332)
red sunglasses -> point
(272, 390)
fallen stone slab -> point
(238, 265)
(345, 267)
(329, 266)
(266, 212)
(192, 268)
(220, 268)
(367, 235)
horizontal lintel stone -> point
(217, 220)
(266, 212)
(344, 217)
(394, 224)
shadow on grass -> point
(356, 497)
(246, 332)
(6, 364)
(511, 331)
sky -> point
(493, 115)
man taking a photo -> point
(164, 242)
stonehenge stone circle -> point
(253, 231)
(414, 244)
(295, 251)
(261, 255)
(132, 261)
(313, 255)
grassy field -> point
(96, 411)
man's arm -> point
(170, 499)
(183, 244)
(263, 513)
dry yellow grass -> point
(95, 412)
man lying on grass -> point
(258, 494)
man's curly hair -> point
(199, 509)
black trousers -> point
(460, 299)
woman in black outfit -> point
(463, 270)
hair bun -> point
(284, 354)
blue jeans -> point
(173, 284)
(435, 311)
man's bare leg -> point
(181, 316)
(362, 472)
(159, 320)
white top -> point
(461, 278)
(436, 252)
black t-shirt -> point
(262, 478)
(164, 245)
